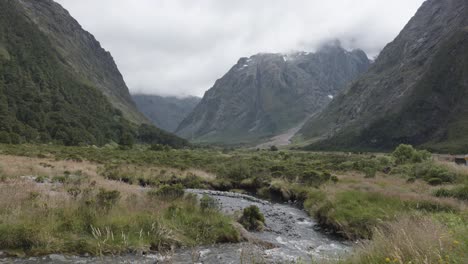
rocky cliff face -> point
(416, 92)
(267, 94)
(82, 53)
(165, 112)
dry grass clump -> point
(415, 240)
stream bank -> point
(290, 235)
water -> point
(289, 230)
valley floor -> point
(403, 207)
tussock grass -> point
(412, 239)
(85, 213)
(356, 195)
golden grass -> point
(411, 239)
(20, 184)
(57, 218)
(391, 186)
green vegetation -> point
(252, 219)
(100, 221)
(459, 192)
(353, 195)
(42, 101)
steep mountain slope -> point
(267, 94)
(82, 53)
(165, 112)
(43, 100)
(416, 92)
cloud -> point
(180, 47)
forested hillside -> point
(42, 101)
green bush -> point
(406, 154)
(252, 219)
(334, 179)
(370, 173)
(429, 170)
(434, 181)
(315, 178)
(168, 192)
(238, 172)
(208, 203)
(40, 179)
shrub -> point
(274, 148)
(238, 172)
(107, 199)
(406, 153)
(313, 177)
(168, 192)
(434, 181)
(59, 179)
(370, 173)
(252, 219)
(429, 170)
(40, 179)
(334, 179)
(208, 203)
(74, 192)
(403, 153)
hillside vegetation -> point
(42, 101)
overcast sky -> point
(180, 47)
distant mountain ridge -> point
(416, 92)
(267, 94)
(165, 112)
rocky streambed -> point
(290, 236)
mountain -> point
(165, 112)
(58, 85)
(416, 92)
(82, 53)
(267, 94)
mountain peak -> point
(268, 93)
(410, 93)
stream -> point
(291, 236)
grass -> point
(416, 240)
(89, 214)
(354, 195)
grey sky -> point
(180, 47)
